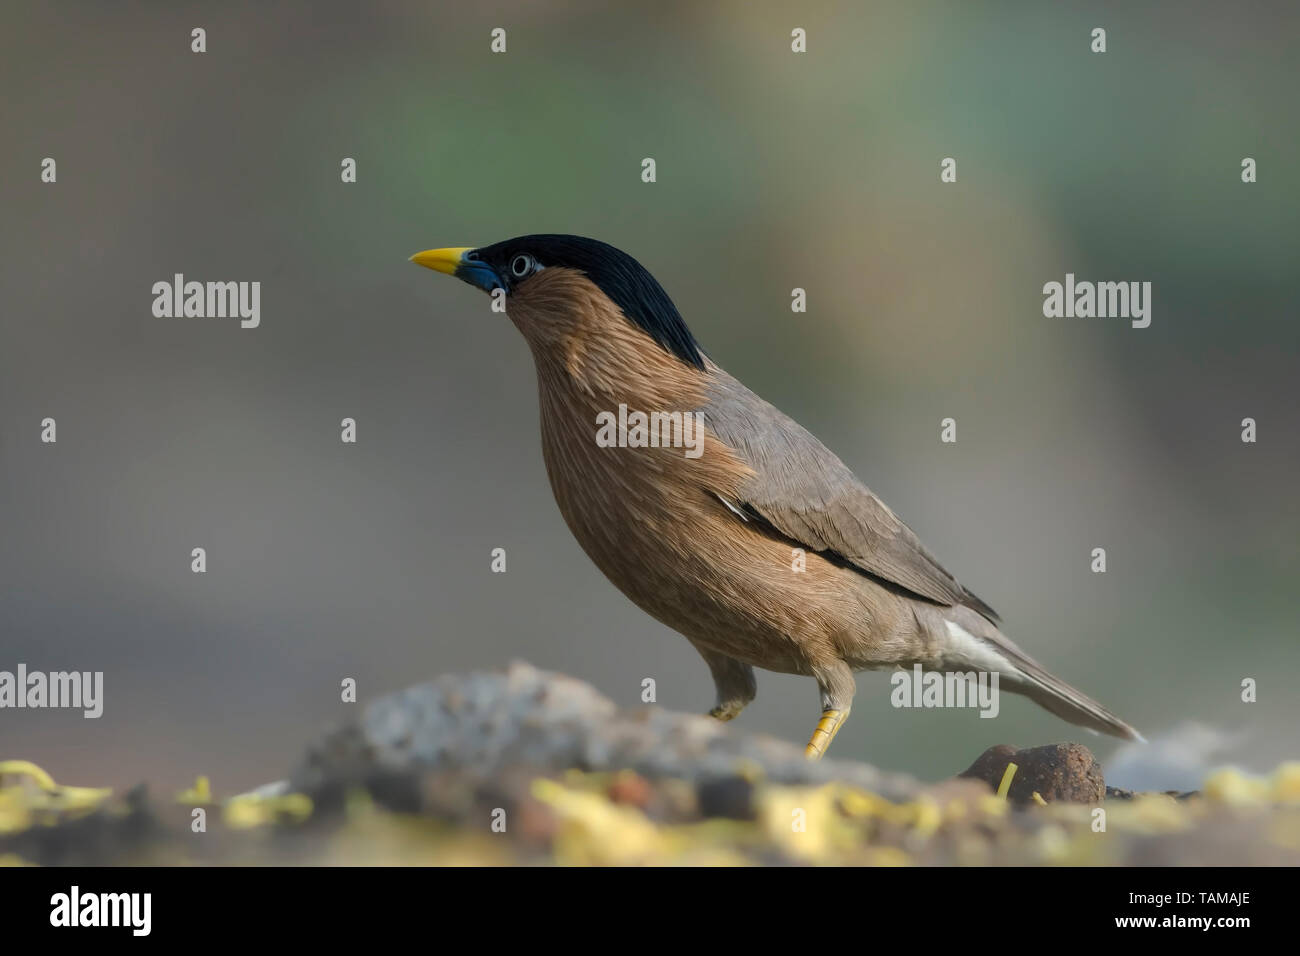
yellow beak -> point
(441, 260)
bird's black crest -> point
(627, 283)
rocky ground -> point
(531, 767)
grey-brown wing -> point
(807, 494)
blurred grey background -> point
(775, 170)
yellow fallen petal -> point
(928, 818)
(201, 792)
(247, 811)
(25, 768)
(54, 796)
(1005, 786)
(1286, 782)
(594, 831)
(1232, 787)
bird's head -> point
(575, 300)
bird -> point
(761, 548)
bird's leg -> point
(830, 724)
(837, 687)
(734, 681)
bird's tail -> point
(1023, 675)
(1068, 703)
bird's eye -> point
(521, 265)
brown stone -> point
(1056, 772)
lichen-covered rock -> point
(482, 723)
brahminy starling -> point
(703, 540)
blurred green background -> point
(775, 170)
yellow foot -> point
(725, 712)
(826, 730)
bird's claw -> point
(724, 712)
